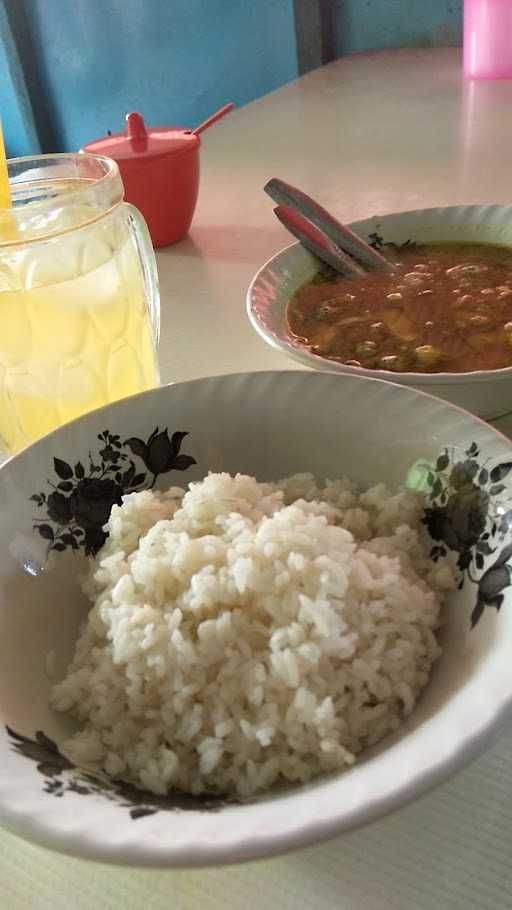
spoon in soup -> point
(300, 214)
(317, 242)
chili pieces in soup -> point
(446, 308)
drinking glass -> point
(79, 303)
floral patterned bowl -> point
(54, 500)
(487, 393)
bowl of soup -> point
(440, 320)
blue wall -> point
(15, 107)
(361, 25)
(87, 62)
(175, 60)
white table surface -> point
(368, 134)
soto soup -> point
(446, 307)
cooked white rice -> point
(245, 633)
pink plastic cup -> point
(488, 39)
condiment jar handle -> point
(148, 266)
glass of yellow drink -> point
(79, 304)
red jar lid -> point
(140, 143)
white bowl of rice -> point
(242, 614)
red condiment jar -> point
(160, 170)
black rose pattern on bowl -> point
(468, 515)
(376, 241)
(60, 776)
(81, 499)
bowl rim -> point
(303, 355)
(84, 842)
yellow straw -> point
(5, 193)
(7, 222)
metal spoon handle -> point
(316, 241)
(345, 239)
